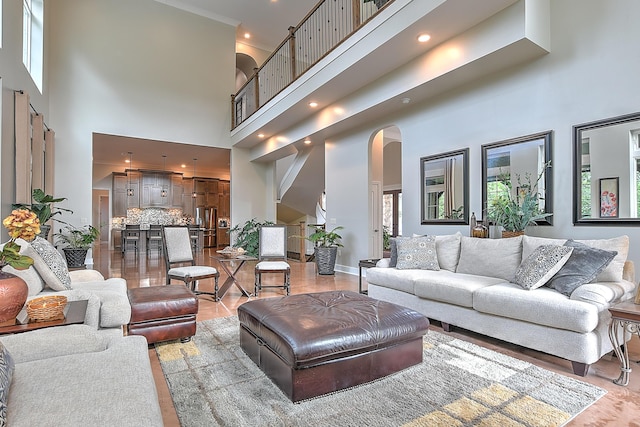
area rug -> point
(212, 382)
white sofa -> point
(76, 376)
(473, 289)
(108, 307)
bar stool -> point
(130, 236)
(154, 235)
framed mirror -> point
(445, 188)
(606, 171)
(519, 161)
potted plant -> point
(514, 212)
(42, 206)
(248, 236)
(326, 248)
(75, 242)
(378, 3)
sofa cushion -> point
(604, 294)
(452, 288)
(582, 267)
(613, 272)
(49, 263)
(490, 257)
(448, 250)
(417, 252)
(6, 373)
(543, 263)
(542, 306)
(529, 243)
(30, 276)
(115, 309)
(400, 280)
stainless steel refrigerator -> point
(207, 218)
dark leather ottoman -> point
(313, 344)
(162, 313)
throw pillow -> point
(490, 257)
(584, 264)
(417, 253)
(6, 372)
(50, 264)
(541, 265)
(394, 252)
(613, 272)
(448, 249)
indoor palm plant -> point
(514, 212)
(326, 245)
(75, 243)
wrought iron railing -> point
(322, 30)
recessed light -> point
(183, 166)
(313, 104)
(247, 35)
(261, 135)
(127, 161)
(406, 100)
(422, 38)
(307, 141)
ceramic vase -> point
(13, 295)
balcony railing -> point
(322, 30)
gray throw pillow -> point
(417, 253)
(541, 265)
(6, 373)
(584, 265)
(394, 252)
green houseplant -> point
(42, 206)
(75, 243)
(514, 212)
(247, 236)
(326, 248)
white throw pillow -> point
(448, 250)
(490, 257)
(543, 263)
(50, 264)
(417, 253)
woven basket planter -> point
(326, 260)
(507, 234)
(75, 257)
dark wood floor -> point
(620, 407)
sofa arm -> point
(384, 263)
(80, 276)
(53, 342)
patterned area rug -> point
(212, 382)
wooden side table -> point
(625, 317)
(365, 263)
(74, 313)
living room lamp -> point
(163, 193)
(194, 195)
(129, 187)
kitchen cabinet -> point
(133, 182)
(224, 210)
(177, 190)
(187, 199)
(119, 194)
(152, 186)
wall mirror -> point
(445, 188)
(519, 160)
(606, 171)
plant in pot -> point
(42, 206)
(515, 212)
(76, 242)
(378, 3)
(326, 248)
(21, 224)
(247, 236)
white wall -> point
(141, 69)
(574, 84)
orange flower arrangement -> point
(24, 224)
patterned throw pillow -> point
(541, 265)
(417, 253)
(50, 264)
(6, 372)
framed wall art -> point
(609, 197)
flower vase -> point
(13, 295)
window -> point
(585, 208)
(392, 212)
(33, 39)
(498, 168)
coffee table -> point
(74, 313)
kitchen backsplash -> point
(156, 216)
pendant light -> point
(194, 195)
(129, 187)
(163, 193)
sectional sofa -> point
(469, 282)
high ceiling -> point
(266, 20)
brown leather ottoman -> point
(162, 313)
(312, 344)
